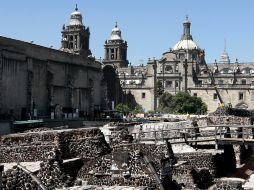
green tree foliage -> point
(123, 108)
(159, 88)
(182, 103)
(138, 109)
(150, 112)
(165, 102)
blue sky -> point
(150, 27)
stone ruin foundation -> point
(34, 146)
(119, 162)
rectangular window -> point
(215, 96)
(240, 96)
(195, 94)
(243, 82)
(143, 95)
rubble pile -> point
(83, 143)
(122, 136)
(182, 173)
(124, 166)
(33, 146)
(202, 178)
(52, 173)
(225, 111)
(17, 179)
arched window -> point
(168, 69)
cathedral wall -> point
(13, 84)
(228, 96)
(96, 77)
(144, 97)
(39, 86)
(32, 76)
(44, 53)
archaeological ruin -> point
(151, 155)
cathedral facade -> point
(37, 81)
(182, 68)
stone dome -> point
(116, 33)
(186, 45)
(76, 18)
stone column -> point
(78, 42)
(118, 52)
(106, 54)
(1, 170)
(30, 76)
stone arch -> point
(112, 82)
(114, 90)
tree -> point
(123, 108)
(182, 103)
(165, 102)
(159, 88)
(138, 109)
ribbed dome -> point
(76, 18)
(186, 45)
(116, 33)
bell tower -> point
(116, 49)
(75, 36)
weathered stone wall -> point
(147, 102)
(229, 183)
(37, 77)
(228, 120)
(124, 159)
(84, 143)
(194, 160)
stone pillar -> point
(1, 170)
(30, 76)
(106, 54)
(118, 52)
(115, 54)
(78, 42)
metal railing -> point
(219, 134)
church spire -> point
(76, 9)
(225, 45)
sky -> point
(151, 27)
